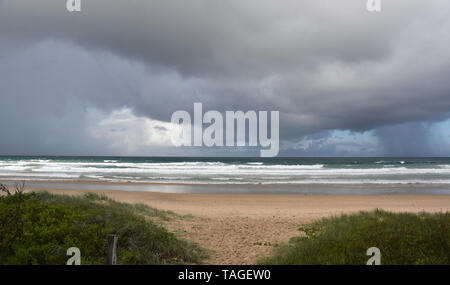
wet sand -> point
(313, 189)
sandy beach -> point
(239, 228)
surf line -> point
(213, 135)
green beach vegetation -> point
(39, 227)
(403, 239)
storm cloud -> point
(325, 65)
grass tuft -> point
(403, 238)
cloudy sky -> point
(105, 81)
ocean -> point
(225, 171)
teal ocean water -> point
(225, 171)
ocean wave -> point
(222, 172)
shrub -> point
(38, 228)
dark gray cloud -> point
(323, 64)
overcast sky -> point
(105, 81)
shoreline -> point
(259, 189)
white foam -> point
(224, 173)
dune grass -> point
(38, 228)
(403, 239)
